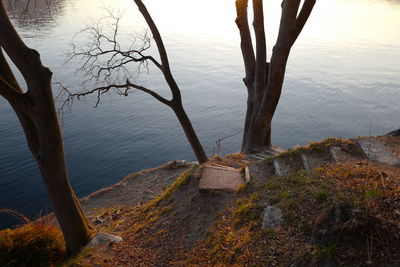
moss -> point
(241, 188)
(268, 233)
(137, 228)
(292, 152)
(327, 252)
(74, 260)
(301, 178)
(290, 204)
(245, 210)
(284, 194)
(182, 180)
(373, 193)
(321, 196)
(272, 185)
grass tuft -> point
(33, 244)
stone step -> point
(268, 152)
(221, 177)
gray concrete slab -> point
(376, 151)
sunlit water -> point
(343, 80)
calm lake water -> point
(343, 80)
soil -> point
(185, 226)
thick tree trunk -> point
(66, 207)
(258, 136)
(37, 114)
(190, 133)
(264, 80)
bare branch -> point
(103, 55)
(122, 89)
(287, 24)
(301, 20)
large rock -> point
(337, 225)
(376, 151)
(271, 217)
(104, 239)
(395, 133)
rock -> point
(376, 151)
(271, 217)
(104, 239)
(395, 133)
(337, 226)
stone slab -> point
(220, 177)
(281, 169)
(376, 151)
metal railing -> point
(218, 147)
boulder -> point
(104, 239)
(395, 133)
(337, 226)
(271, 217)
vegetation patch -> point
(32, 244)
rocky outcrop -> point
(337, 226)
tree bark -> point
(190, 133)
(37, 115)
(264, 80)
(176, 102)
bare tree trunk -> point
(176, 102)
(190, 133)
(37, 114)
(264, 80)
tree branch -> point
(287, 24)
(261, 46)
(103, 54)
(99, 91)
(176, 93)
(9, 87)
(301, 20)
(24, 58)
(245, 41)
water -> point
(342, 81)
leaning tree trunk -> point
(176, 102)
(37, 115)
(190, 133)
(264, 80)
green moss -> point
(272, 185)
(245, 211)
(284, 194)
(328, 252)
(290, 204)
(182, 180)
(301, 178)
(321, 196)
(373, 193)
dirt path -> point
(135, 189)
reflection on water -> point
(343, 75)
(36, 16)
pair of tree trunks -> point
(36, 112)
(263, 79)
